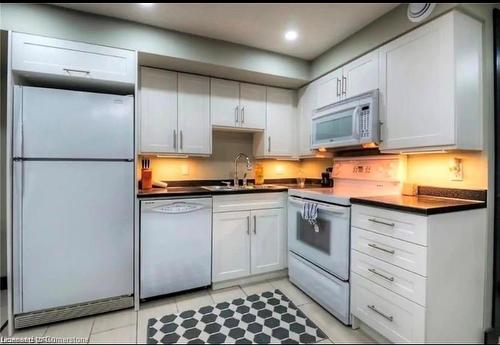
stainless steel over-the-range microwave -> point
(351, 122)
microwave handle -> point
(355, 121)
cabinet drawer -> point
(409, 256)
(327, 290)
(393, 316)
(404, 226)
(242, 202)
(398, 280)
(69, 59)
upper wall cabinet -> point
(174, 113)
(195, 131)
(278, 138)
(237, 105)
(357, 77)
(305, 109)
(329, 89)
(158, 111)
(50, 57)
(431, 87)
(361, 75)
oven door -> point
(336, 127)
(329, 247)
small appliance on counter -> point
(326, 178)
(146, 175)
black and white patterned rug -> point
(268, 318)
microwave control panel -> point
(364, 122)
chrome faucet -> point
(249, 167)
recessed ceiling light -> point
(291, 35)
(146, 4)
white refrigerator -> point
(73, 187)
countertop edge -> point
(473, 205)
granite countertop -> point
(197, 190)
(421, 204)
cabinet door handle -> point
(344, 85)
(380, 124)
(175, 139)
(269, 144)
(81, 71)
(236, 114)
(338, 87)
(255, 225)
(243, 114)
(374, 271)
(387, 317)
(248, 225)
(374, 246)
(381, 222)
(182, 139)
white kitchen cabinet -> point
(416, 278)
(224, 102)
(305, 110)
(174, 113)
(231, 245)
(158, 107)
(361, 75)
(252, 106)
(329, 89)
(267, 240)
(51, 57)
(279, 138)
(249, 235)
(237, 105)
(431, 87)
(195, 130)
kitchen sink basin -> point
(238, 188)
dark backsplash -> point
(468, 194)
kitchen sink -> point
(238, 188)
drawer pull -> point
(81, 71)
(381, 222)
(387, 317)
(374, 271)
(374, 246)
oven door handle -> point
(321, 206)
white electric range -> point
(319, 260)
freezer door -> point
(52, 123)
(73, 232)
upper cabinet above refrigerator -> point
(61, 60)
(431, 87)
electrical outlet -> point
(456, 170)
(185, 170)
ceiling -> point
(319, 26)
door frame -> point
(492, 335)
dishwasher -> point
(175, 245)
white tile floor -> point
(128, 326)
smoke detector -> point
(419, 11)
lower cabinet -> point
(248, 242)
(419, 279)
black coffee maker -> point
(326, 178)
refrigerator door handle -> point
(18, 122)
(17, 235)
